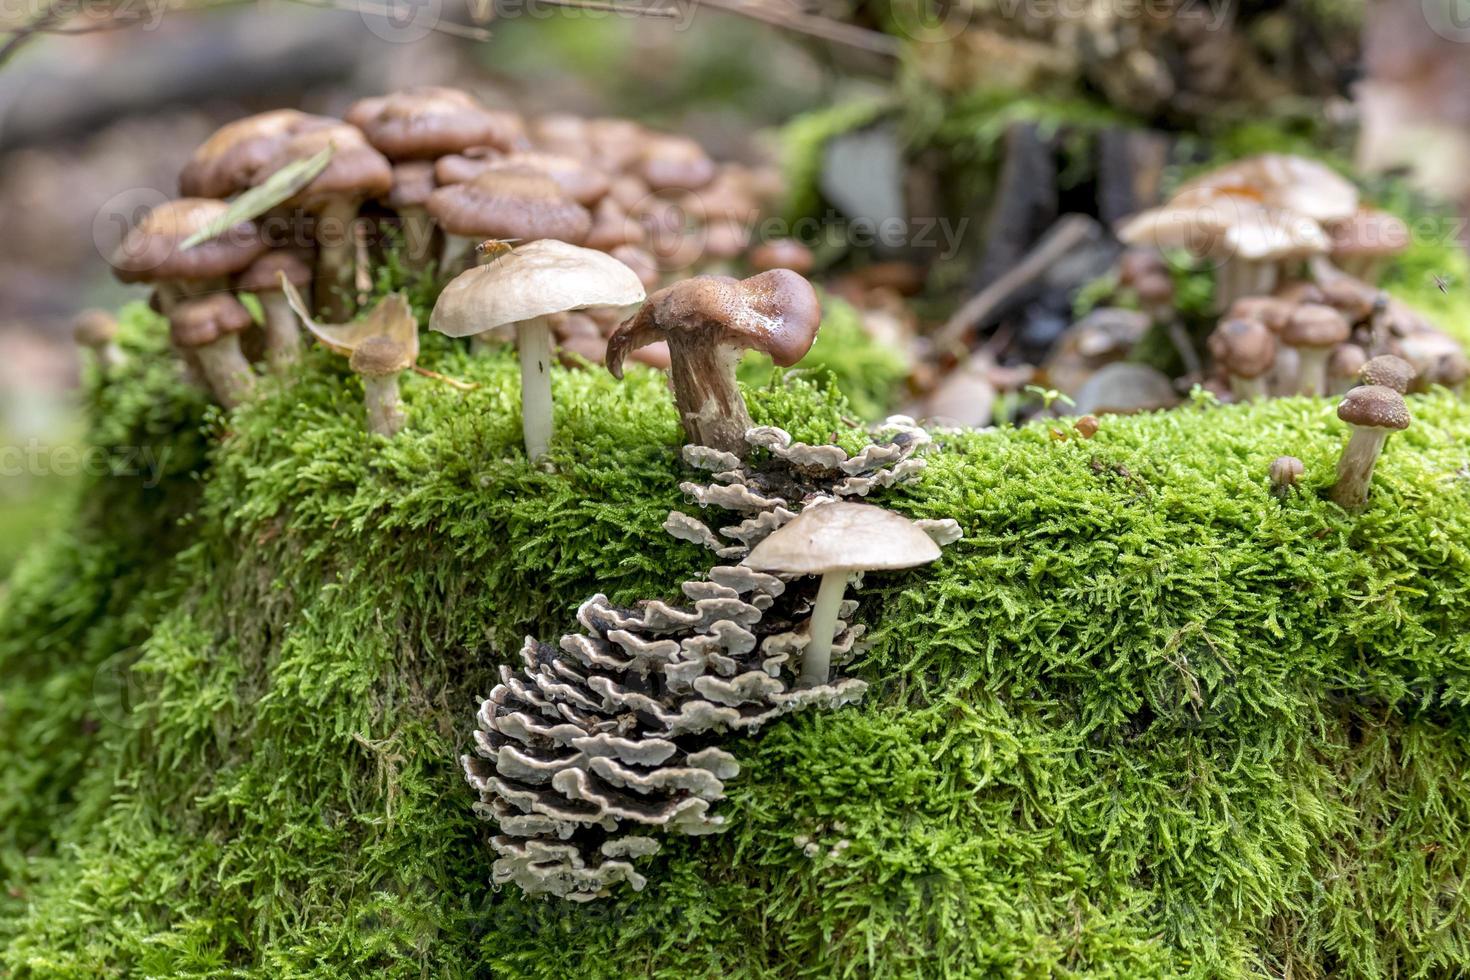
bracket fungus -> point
(1375, 413)
(521, 289)
(210, 327)
(708, 322)
(835, 541)
(379, 361)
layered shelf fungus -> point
(617, 734)
(520, 290)
(708, 322)
(1374, 412)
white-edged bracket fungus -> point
(836, 540)
(1375, 413)
(521, 289)
(709, 322)
(1285, 472)
(210, 327)
(379, 361)
(282, 329)
(97, 331)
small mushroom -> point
(431, 121)
(210, 327)
(836, 540)
(1285, 472)
(239, 154)
(97, 331)
(1313, 331)
(1389, 372)
(1246, 349)
(379, 361)
(1343, 366)
(708, 322)
(1374, 413)
(782, 253)
(517, 207)
(282, 330)
(152, 251)
(413, 182)
(521, 289)
(1363, 245)
(675, 163)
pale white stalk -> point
(282, 332)
(1355, 468)
(380, 395)
(816, 659)
(1312, 370)
(533, 341)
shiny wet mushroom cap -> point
(708, 322)
(834, 540)
(431, 121)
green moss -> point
(1144, 720)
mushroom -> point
(1363, 245)
(782, 253)
(612, 228)
(460, 168)
(282, 331)
(521, 289)
(836, 540)
(675, 163)
(430, 121)
(1343, 366)
(1284, 472)
(708, 322)
(1389, 372)
(239, 154)
(1313, 331)
(378, 361)
(1290, 183)
(641, 261)
(210, 327)
(152, 250)
(1375, 413)
(1246, 349)
(1147, 275)
(413, 182)
(508, 206)
(355, 173)
(577, 180)
(97, 330)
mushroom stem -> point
(227, 370)
(1312, 370)
(1355, 468)
(418, 237)
(336, 259)
(533, 341)
(816, 659)
(706, 393)
(282, 334)
(1248, 389)
(457, 253)
(384, 414)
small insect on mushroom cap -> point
(1388, 371)
(378, 357)
(1374, 406)
(843, 537)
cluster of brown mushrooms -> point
(553, 227)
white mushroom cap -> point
(537, 279)
(843, 537)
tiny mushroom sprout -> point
(1389, 371)
(709, 322)
(97, 330)
(521, 289)
(264, 278)
(1374, 412)
(378, 361)
(1246, 349)
(1313, 331)
(210, 326)
(836, 540)
(1284, 472)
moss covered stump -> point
(1144, 719)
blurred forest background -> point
(101, 102)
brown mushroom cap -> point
(1315, 326)
(430, 121)
(1273, 312)
(612, 227)
(240, 154)
(1285, 471)
(1346, 361)
(641, 261)
(843, 537)
(675, 162)
(782, 253)
(94, 328)
(202, 321)
(413, 182)
(1245, 348)
(1353, 299)
(524, 207)
(459, 168)
(560, 132)
(1140, 263)
(1374, 406)
(1370, 234)
(1388, 371)
(151, 251)
(616, 144)
(356, 171)
(264, 274)
(378, 357)
(581, 183)
(776, 312)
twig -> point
(1063, 237)
(451, 382)
(636, 9)
(811, 25)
